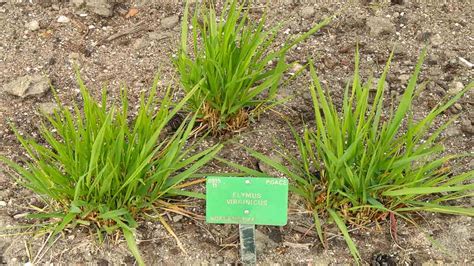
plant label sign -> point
(246, 200)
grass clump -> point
(101, 169)
(359, 164)
(230, 55)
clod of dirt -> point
(169, 22)
(63, 19)
(307, 12)
(467, 127)
(436, 40)
(32, 25)
(380, 26)
(100, 7)
(48, 108)
(455, 87)
(28, 85)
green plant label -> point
(246, 200)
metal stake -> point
(248, 252)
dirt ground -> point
(49, 37)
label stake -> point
(247, 201)
(248, 251)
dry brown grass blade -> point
(170, 230)
(179, 209)
(191, 183)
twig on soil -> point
(28, 251)
(49, 247)
(196, 222)
(41, 249)
(303, 230)
(298, 245)
(134, 29)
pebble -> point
(467, 127)
(100, 7)
(308, 12)
(466, 63)
(380, 26)
(177, 218)
(28, 85)
(32, 25)
(458, 106)
(20, 215)
(140, 44)
(170, 22)
(295, 67)
(48, 108)
(63, 19)
(436, 40)
(452, 131)
(3, 203)
(157, 36)
(404, 78)
(455, 87)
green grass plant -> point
(100, 168)
(232, 55)
(363, 162)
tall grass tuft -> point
(232, 56)
(360, 163)
(100, 168)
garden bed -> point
(118, 50)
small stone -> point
(436, 40)
(28, 85)
(74, 56)
(100, 7)
(466, 63)
(380, 26)
(458, 106)
(455, 88)
(157, 36)
(3, 203)
(32, 25)
(452, 131)
(140, 44)
(63, 19)
(295, 67)
(404, 78)
(48, 108)
(467, 127)
(177, 218)
(20, 215)
(170, 22)
(308, 12)
(55, 7)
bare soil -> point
(146, 47)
